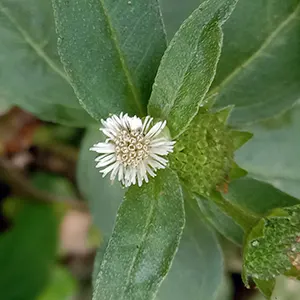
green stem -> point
(244, 218)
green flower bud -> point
(203, 154)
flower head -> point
(133, 149)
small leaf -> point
(32, 76)
(240, 138)
(147, 232)
(272, 244)
(224, 113)
(236, 172)
(197, 270)
(27, 252)
(189, 65)
(258, 70)
(286, 289)
(111, 51)
(265, 286)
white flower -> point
(133, 149)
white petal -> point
(106, 161)
(109, 168)
(159, 140)
(156, 129)
(121, 173)
(103, 148)
(113, 126)
(133, 176)
(102, 156)
(155, 164)
(161, 150)
(140, 179)
(146, 178)
(162, 142)
(115, 171)
(135, 123)
(150, 171)
(146, 124)
(142, 169)
(125, 122)
(109, 133)
(159, 158)
(117, 121)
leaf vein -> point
(29, 40)
(145, 54)
(142, 241)
(256, 54)
(134, 92)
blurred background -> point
(48, 241)
(45, 248)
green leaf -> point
(285, 289)
(27, 252)
(62, 285)
(265, 286)
(111, 51)
(258, 69)
(189, 65)
(197, 270)
(174, 13)
(147, 232)
(240, 192)
(221, 221)
(98, 260)
(236, 172)
(104, 197)
(265, 197)
(199, 250)
(241, 138)
(272, 244)
(32, 76)
(241, 216)
(272, 155)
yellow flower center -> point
(131, 147)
